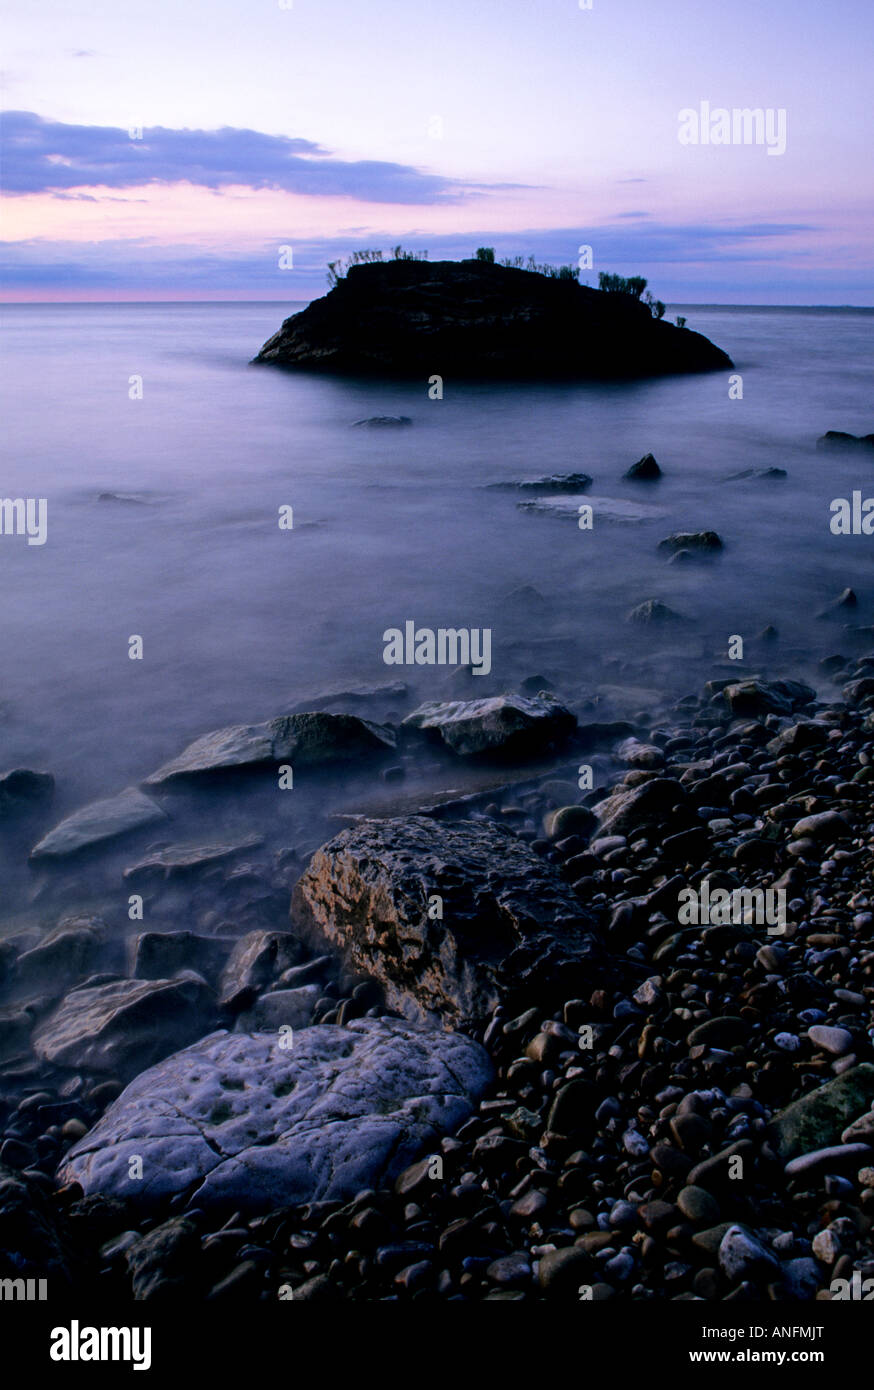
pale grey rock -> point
(741, 1254)
(517, 724)
(238, 1120)
(835, 1041)
(184, 858)
(102, 820)
(302, 740)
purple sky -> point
(534, 126)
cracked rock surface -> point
(508, 918)
(240, 1119)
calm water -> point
(240, 619)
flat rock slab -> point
(509, 921)
(124, 1026)
(298, 739)
(180, 859)
(617, 509)
(505, 724)
(101, 821)
(237, 1120)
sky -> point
(228, 149)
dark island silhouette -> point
(477, 318)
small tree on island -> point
(486, 253)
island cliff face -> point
(477, 319)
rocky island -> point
(477, 318)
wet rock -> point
(291, 1008)
(646, 470)
(516, 725)
(181, 859)
(847, 1158)
(838, 439)
(509, 921)
(652, 611)
(302, 740)
(625, 811)
(835, 1041)
(158, 955)
(241, 1121)
(817, 1119)
(707, 542)
(256, 961)
(838, 606)
(99, 822)
(757, 697)
(22, 792)
(388, 693)
(160, 1263)
(554, 482)
(743, 1256)
(69, 952)
(125, 1026)
(382, 422)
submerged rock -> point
(652, 610)
(353, 695)
(646, 470)
(305, 740)
(100, 821)
(382, 422)
(450, 918)
(182, 859)
(705, 541)
(837, 439)
(23, 791)
(126, 1025)
(482, 320)
(237, 1120)
(507, 724)
(553, 482)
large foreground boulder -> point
(452, 919)
(302, 740)
(124, 1026)
(510, 725)
(479, 319)
(243, 1120)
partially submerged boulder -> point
(124, 1026)
(451, 919)
(758, 697)
(23, 791)
(839, 439)
(100, 821)
(507, 724)
(242, 1120)
(704, 542)
(480, 319)
(302, 740)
